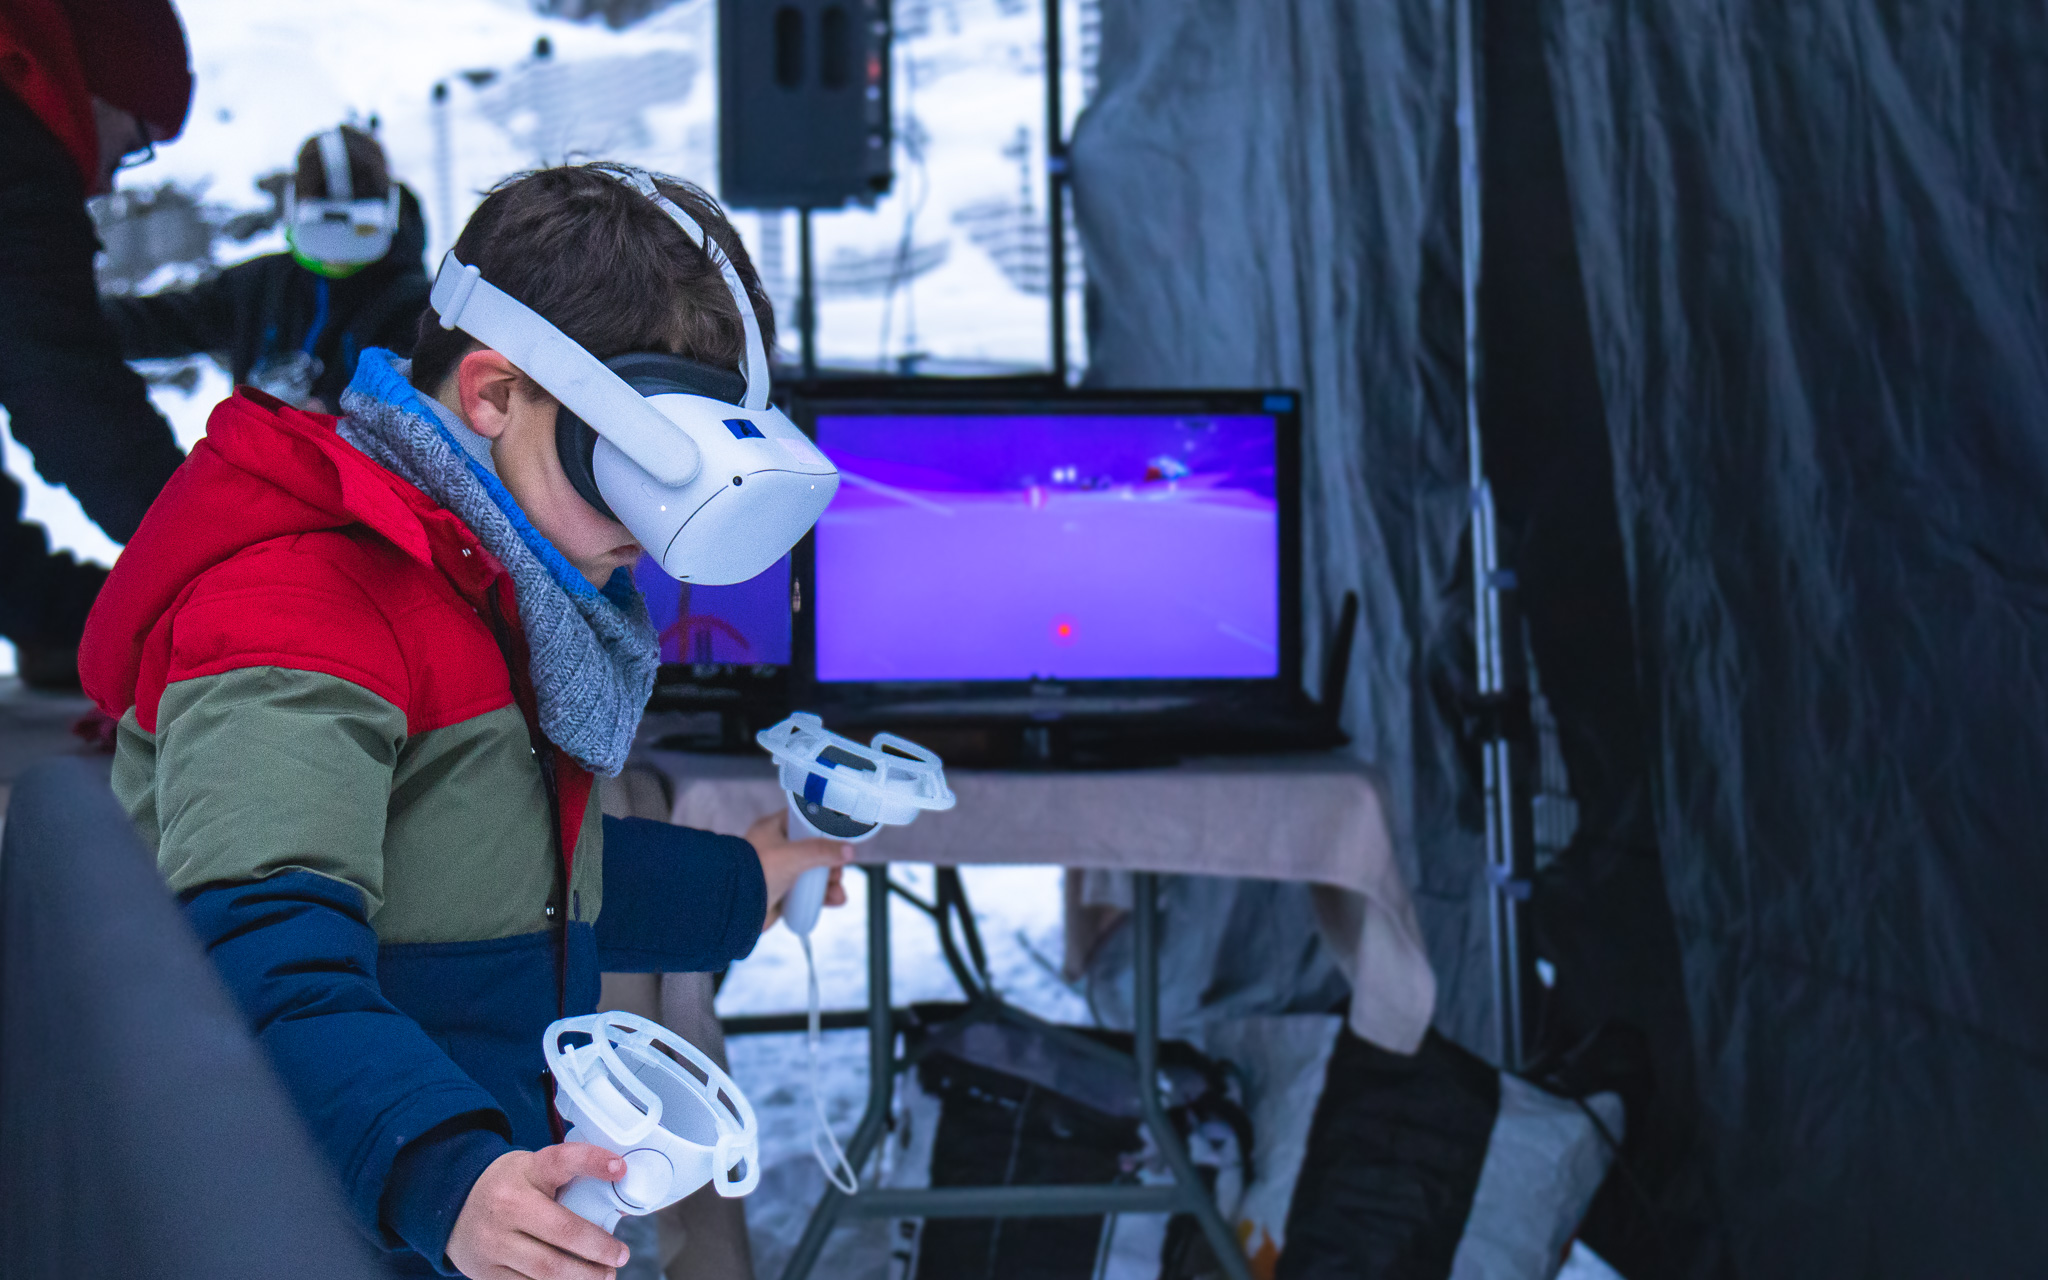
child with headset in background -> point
(294, 323)
(365, 671)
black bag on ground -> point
(1425, 1166)
(1022, 1102)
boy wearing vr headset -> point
(294, 323)
(366, 669)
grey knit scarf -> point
(593, 652)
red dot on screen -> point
(1063, 630)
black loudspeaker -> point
(803, 103)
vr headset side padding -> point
(651, 373)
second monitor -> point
(1070, 555)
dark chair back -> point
(141, 1130)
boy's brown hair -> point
(606, 266)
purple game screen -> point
(1049, 547)
(746, 623)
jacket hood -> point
(39, 64)
(55, 55)
(264, 471)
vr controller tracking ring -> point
(651, 1097)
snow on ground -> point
(1018, 911)
(970, 157)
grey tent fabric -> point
(1814, 259)
(1261, 193)
(1804, 256)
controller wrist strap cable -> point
(825, 1146)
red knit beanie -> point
(133, 54)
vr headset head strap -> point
(465, 300)
(334, 161)
(757, 353)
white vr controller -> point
(644, 1093)
(844, 791)
(715, 491)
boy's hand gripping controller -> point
(643, 1092)
(844, 791)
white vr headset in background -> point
(715, 490)
(339, 228)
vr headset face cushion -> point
(651, 373)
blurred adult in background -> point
(293, 323)
(86, 87)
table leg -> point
(1195, 1198)
(1187, 1192)
(881, 1078)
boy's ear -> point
(487, 387)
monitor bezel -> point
(856, 700)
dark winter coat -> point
(82, 414)
(271, 307)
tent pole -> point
(1507, 886)
(1055, 193)
(806, 296)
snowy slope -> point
(968, 80)
(969, 198)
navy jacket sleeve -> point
(677, 900)
(300, 958)
(430, 1183)
(196, 320)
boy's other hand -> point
(510, 1228)
(784, 859)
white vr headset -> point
(713, 481)
(339, 228)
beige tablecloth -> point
(1314, 818)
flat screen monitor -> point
(742, 625)
(1104, 544)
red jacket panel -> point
(39, 62)
(274, 507)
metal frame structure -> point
(1056, 177)
(1185, 1194)
(1508, 856)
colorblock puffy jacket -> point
(327, 732)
